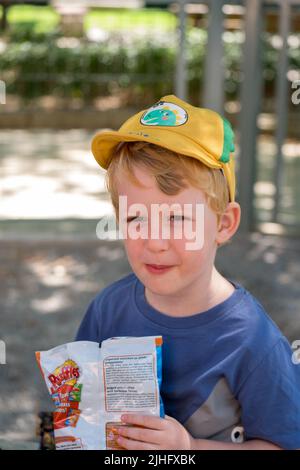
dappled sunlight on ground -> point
(45, 289)
(52, 304)
(266, 186)
(22, 411)
(50, 174)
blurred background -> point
(69, 68)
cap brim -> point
(104, 143)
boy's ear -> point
(229, 223)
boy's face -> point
(188, 269)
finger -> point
(169, 418)
(150, 422)
(140, 434)
(135, 445)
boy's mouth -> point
(158, 268)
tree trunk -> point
(3, 24)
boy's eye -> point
(175, 218)
(139, 218)
(136, 218)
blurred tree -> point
(8, 3)
(5, 4)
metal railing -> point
(254, 12)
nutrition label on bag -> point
(129, 384)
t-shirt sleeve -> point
(89, 327)
(270, 398)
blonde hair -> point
(172, 171)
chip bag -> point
(92, 386)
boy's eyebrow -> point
(130, 217)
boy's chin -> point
(161, 290)
(159, 284)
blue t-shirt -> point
(226, 367)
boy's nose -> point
(158, 234)
(156, 245)
(158, 239)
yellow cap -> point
(176, 125)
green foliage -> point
(35, 64)
(27, 31)
(44, 18)
(118, 19)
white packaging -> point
(92, 387)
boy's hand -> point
(153, 433)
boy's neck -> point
(198, 299)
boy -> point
(229, 381)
